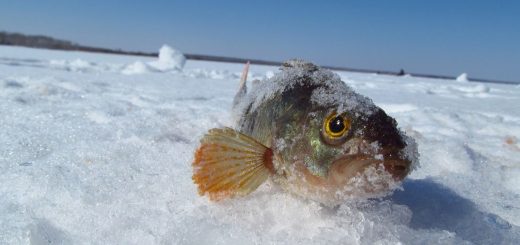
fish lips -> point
(398, 168)
(360, 153)
(348, 166)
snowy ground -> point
(97, 149)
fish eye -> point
(335, 127)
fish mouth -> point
(352, 175)
(347, 167)
(360, 153)
(398, 168)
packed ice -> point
(93, 156)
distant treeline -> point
(39, 41)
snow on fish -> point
(309, 132)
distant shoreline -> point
(39, 41)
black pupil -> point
(336, 125)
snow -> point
(169, 60)
(462, 78)
(92, 155)
(294, 73)
(137, 67)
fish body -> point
(309, 132)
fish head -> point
(332, 143)
(348, 140)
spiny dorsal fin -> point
(242, 89)
(229, 163)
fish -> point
(307, 131)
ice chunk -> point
(462, 78)
(137, 67)
(76, 65)
(169, 59)
(480, 88)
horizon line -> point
(60, 44)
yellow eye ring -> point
(336, 126)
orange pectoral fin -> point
(229, 163)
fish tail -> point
(229, 163)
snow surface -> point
(93, 155)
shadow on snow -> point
(435, 206)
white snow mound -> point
(169, 59)
(462, 77)
(137, 67)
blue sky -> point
(481, 38)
